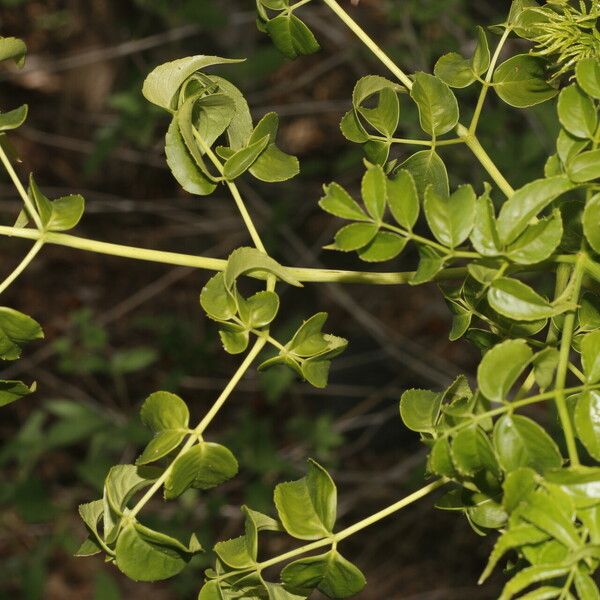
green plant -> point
(493, 254)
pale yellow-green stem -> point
(363, 524)
(22, 265)
(22, 192)
(563, 362)
(199, 429)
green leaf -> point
(438, 108)
(577, 113)
(515, 537)
(403, 199)
(243, 159)
(486, 512)
(182, 166)
(368, 86)
(517, 485)
(291, 36)
(90, 513)
(386, 115)
(259, 310)
(163, 83)
(272, 165)
(245, 261)
(61, 214)
(589, 312)
(521, 442)
(450, 219)
(582, 486)
(211, 115)
(459, 72)
(141, 559)
(440, 459)
(545, 512)
(316, 372)
(586, 587)
(430, 264)
(588, 76)
(338, 202)
(331, 573)
(472, 451)
(235, 338)
(203, 466)
(585, 167)
(591, 222)
(481, 57)
(354, 236)
(307, 507)
(420, 409)
(122, 482)
(521, 81)
(13, 48)
(374, 191)
(352, 129)
(590, 356)
(587, 422)
(427, 168)
(16, 329)
(384, 246)
(10, 391)
(528, 202)
(160, 445)
(516, 300)
(484, 236)
(455, 70)
(501, 367)
(529, 576)
(14, 118)
(240, 129)
(309, 340)
(544, 366)
(164, 411)
(216, 300)
(568, 146)
(538, 242)
(234, 553)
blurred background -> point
(117, 330)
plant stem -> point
(487, 81)
(364, 523)
(306, 275)
(463, 133)
(303, 274)
(563, 363)
(22, 265)
(482, 156)
(367, 41)
(427, 242)
(411, 142)
(293, 7)
(22, 192)
(518, 404)
(199, 429)
(234, 192)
